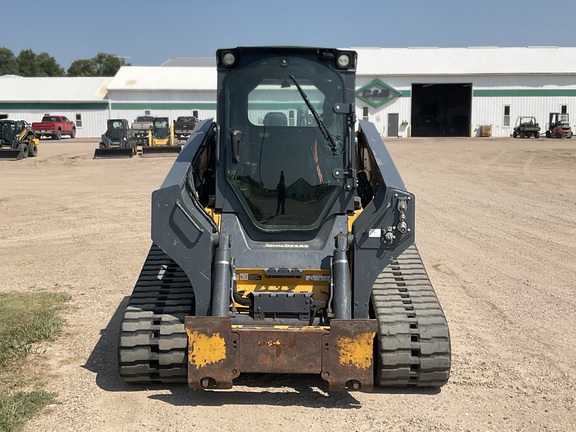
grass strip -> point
(25, 319)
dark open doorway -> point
(441, 109)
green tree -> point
(108, 64)
(31, 64)
(48, 66)
(8, 65)
(101, 65)
(82, 68)
(26, 61)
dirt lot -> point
(497, 231)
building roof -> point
(371, 62)
(189, 62)
(49, 89)
(164, 78)
(467, 61)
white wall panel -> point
(486, 110)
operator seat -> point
(275, 119)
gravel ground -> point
(496, 227)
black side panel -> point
(382, 216)
(180, 226)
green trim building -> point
(463, 91)
(403, 91)
(83, 100)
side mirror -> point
(236, 142)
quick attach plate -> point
(342, 354)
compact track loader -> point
(117, 141)
(17, 140)
(161, 139)
(283, 242)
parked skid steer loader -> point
(117, 141)
(283, 242)
(17, 140)
(161, 139)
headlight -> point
(343, 61)
(228, 59)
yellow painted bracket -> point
(342, 354)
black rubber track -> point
(153, 342)
(413, 335)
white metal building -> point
(83, 100)
(403, 91)
(163, 92)
(454, 91)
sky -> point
(147, 33)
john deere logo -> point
(377, 93)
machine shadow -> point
(308, 391)
(103, 360)
(259, 389)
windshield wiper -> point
(321, 126)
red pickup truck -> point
(54, 126)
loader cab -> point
(161, 127)
(117, 130)
(286, 123)
(10, 129)
(7, 131)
